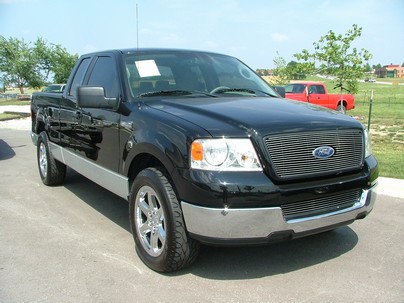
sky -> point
(255, 31)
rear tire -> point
(157, 224)
(51, 171)
(341, 108)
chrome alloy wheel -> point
(150, 221)
(43, 160)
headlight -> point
(368, 145)
(224, 155)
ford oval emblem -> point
(323, 152)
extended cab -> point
(204, 150)
(316, 93)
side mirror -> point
(280, 90)
(94, 97)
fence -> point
(387, 104)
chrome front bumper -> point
(227, 225)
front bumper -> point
(267, 224)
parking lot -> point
(72, 243)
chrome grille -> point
(291, 155)
(320, 206)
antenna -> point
(137, 28)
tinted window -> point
(104, 75)
(295, 88)
(320, 89)
(316, 89)
(79, 76)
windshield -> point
(54, 88)
(185, 73)
(295, 88)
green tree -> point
(24, 65)
(295, 70)
(280, 71)
(334, 56)
(18, 64)
(54, 60)
(62, 64)
(368, 68)
(43, 55)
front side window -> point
(79, 76)
(104, 74)
(320, 89)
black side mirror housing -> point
(94, 97)
(280, 90)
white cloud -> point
(278, 37)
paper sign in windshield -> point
(147, 68)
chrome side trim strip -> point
(110, 180)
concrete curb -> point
(390, 187)
(15, 109)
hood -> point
(241, 116)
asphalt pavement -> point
(72, 243)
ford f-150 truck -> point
(316, 93)
(204, 150)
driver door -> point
(97, 132)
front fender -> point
(157, 138)
(154, 146)
(41, 122)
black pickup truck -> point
(204, 150)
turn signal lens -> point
(197, 151)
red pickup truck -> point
(316, 93)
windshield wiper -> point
(234, 90)
(243, 90)
(166, 93)
(176, 92)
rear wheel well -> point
(344, 103)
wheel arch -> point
(148, 155)
(38, 123)
(343, 102)
(141, 162)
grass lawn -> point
(13, 102)
(8, 116)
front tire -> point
(157, 224)
(51, 171)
